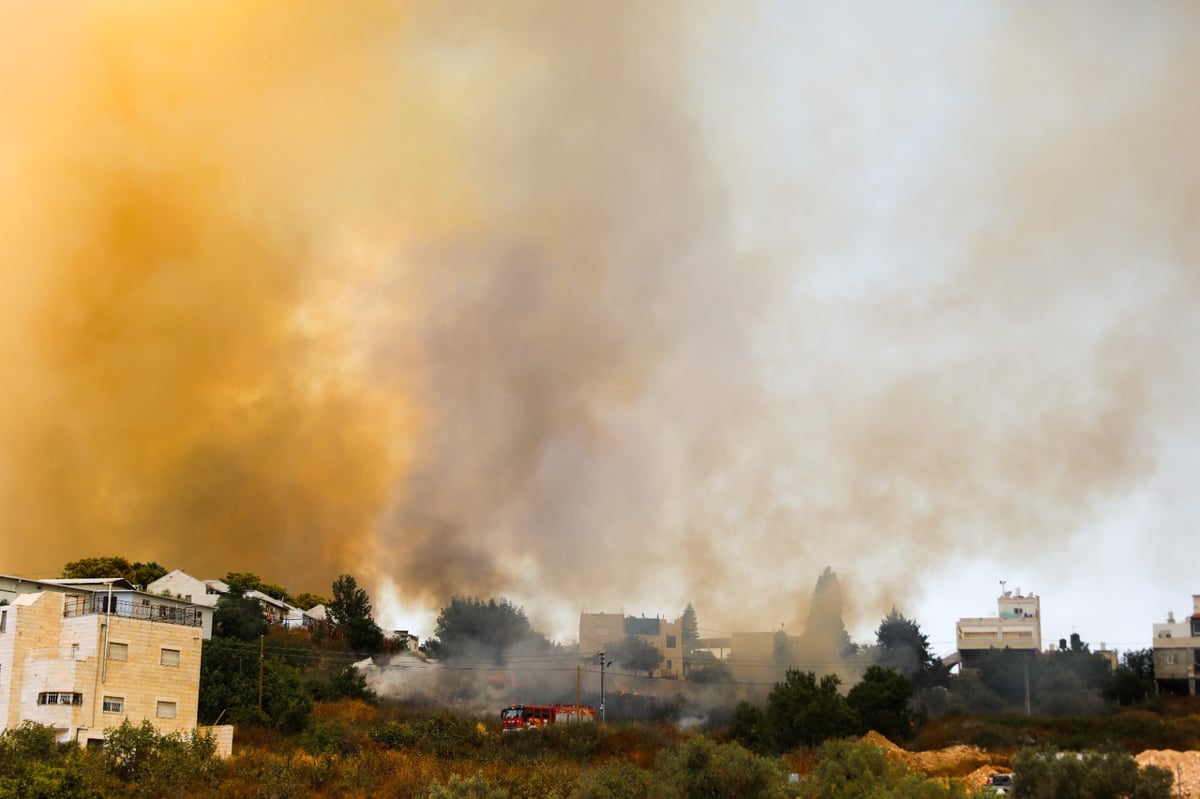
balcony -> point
(103, 604)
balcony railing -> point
(96, 604)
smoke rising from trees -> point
(576, 305)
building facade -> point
(180, 584)
(600, 631)
(83, 663)
(1177, 652)
(1017, 625)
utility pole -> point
(261, 645)
(604, 663)
(1028, 705)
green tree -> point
(307, 601)
(1109, 773)
(1140, 662)
(238, 616)
(749, 727)
(855, 770)
(825, 636)
(472, 628)
(881, 700)
(249, 581)
(114, 566)
(1133, 682)
(1126, 688)
(903, 647)
(350, 612)
(636, 654)
(706, 668)
(802, 711)
(229, 680)
(689, 628)
(346, 683)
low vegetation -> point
(309, 726)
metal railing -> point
(102, 603)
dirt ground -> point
(1184, 766)
(973, 765)
(968, 764)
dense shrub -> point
(1106, 773)
(849, 770)
(700, 768)
(34, 766)
(159, 764)
(621, 780)
(474, 787)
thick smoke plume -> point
(592, 305)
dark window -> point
(60, 698)
(670, 642)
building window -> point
(118, 651)
(165, 710)
(74, 651)
(114, 704)
(169, 657)
(3, 620)
(670, 642)
(59, 698)
(1171, 659)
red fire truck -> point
(516, 718)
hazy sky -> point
(611, 306)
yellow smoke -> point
(190, 194)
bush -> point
(476, 787)
(701, 768)
(849, 770)
(158, 764)
(621, 780)
(1107, 773)
(34, 766)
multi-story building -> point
(116, 590)
(85, 661)
(599, 631)
(1018, 625)
(180, 584)
(1177, 652)
(184, 586)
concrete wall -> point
(223, 735)
(41, 651)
